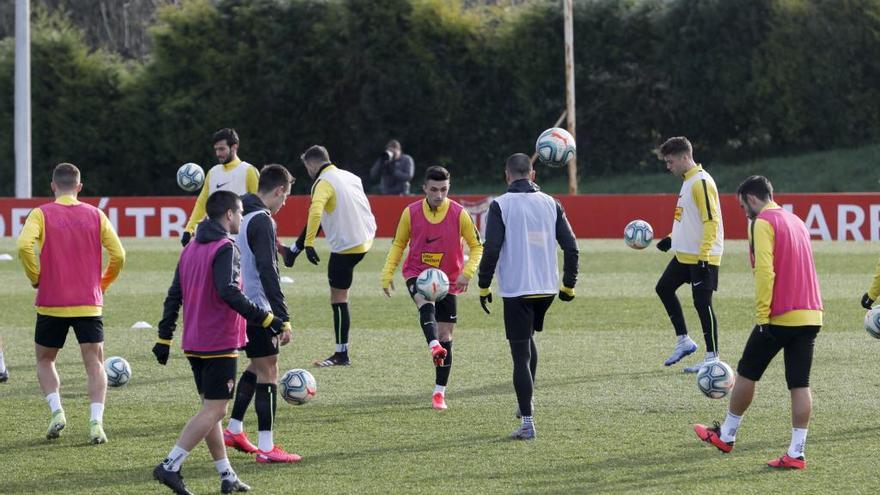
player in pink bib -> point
(434, 228)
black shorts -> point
(340, 269)
(261, 342)
(523, 316)
(445, 310)
(51, 331)
(762, 347)
(215, 377)
(678, 274)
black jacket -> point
(261, 238)
(226, 273)
(495, 239)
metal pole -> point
(22, 99)
(569, 89)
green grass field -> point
(610, 418)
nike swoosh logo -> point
(218, 186)
(698, 283)
(429, 240)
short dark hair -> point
(219, 202)
(519, 165)
(437, 173)
(393, 144)
(227, 134)
(316, 153)
(675, 146)
(66, 176)
(756, 185)
(274, 175)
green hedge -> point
(461, 87)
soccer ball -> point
(638, 234)
(715, 379)
(298, 386)
(555, 147)
(118, 371)
(872, 322)
(190, 177)
(432, 284)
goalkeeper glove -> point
(867, 302)
(290, 255)
(185, 238)
(312, 255)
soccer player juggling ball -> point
(523, 228)
(434, 228)
(70, 289)
(341, 208)
(788, 314)
(208, 279)
(697, 240)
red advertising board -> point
(828, 216)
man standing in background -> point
(394, 168)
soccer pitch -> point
(610, 417)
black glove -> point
(701, 275)
(566, 294)
(867, 302)
(290, 255)
(161, 350)
(185, 237)
(485, 298)
(312, 255)
(277, 326)
(665, 244)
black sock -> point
(442, 372)
(244, 392)
(428, 322)
(533, 363)
(341, 322)
(703, 305)
(265, 403)
(520, 351)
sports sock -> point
(97, 412)
(441, 373)
(2, 363)
(54, 400)
(703, 305)
(520, 351)
(527, 420)
(175, 459)
(683, 338)
(341, 324)
(798, 440)
(342, 348)
(225, 469)
(244, 392)
(265, 442)
(428, 322)
(440, 389)
(728, 429)
(711, 355)
(264, 403)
